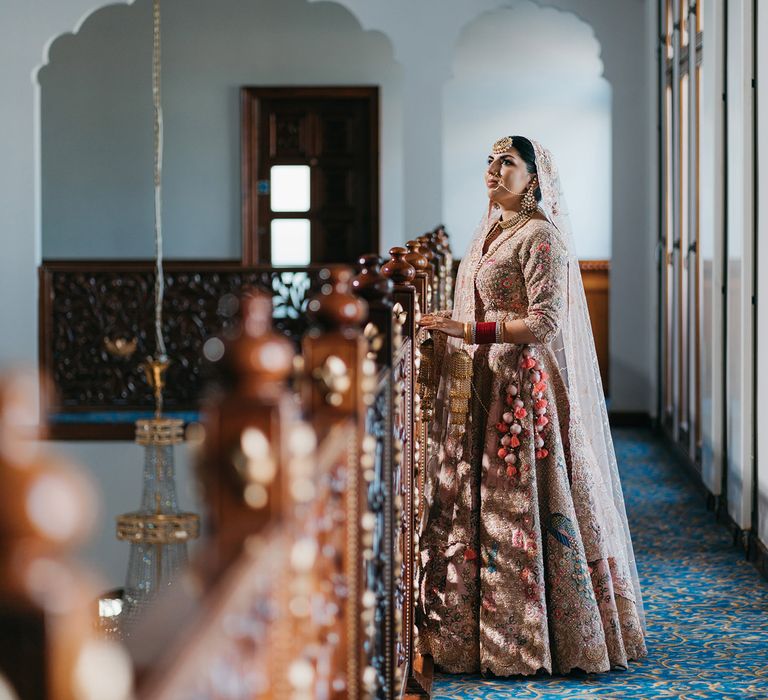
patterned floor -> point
(707, 608)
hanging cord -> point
(155, 367)
(158, 158)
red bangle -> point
(485, 333)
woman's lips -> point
(492, 183)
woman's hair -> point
(525, 148)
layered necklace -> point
(519, 218)
(517, 221)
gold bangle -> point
(467, 332)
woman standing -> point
(526, 555)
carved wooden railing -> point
(421, 277)
(333, 628)
(359, 394)
(306, 587)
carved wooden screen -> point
(95, 327)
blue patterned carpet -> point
(706, 607)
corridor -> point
(706, 607)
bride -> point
(527, 561)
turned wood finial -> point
(432, 240)
(370, 283)
(335, 306)
(44, 504)
(442, 237)
(398, 269)
(425, 248)
(260, 359)
(415, 257)
(47, 508)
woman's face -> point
(510, 170)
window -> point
(290, 242)
(290, 193)
(289, 188)
(681, 45)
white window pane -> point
(289, 187)
(290, 242)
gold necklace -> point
(507, 224)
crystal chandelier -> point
(158, 532)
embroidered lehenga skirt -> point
(515, 573)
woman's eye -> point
(506, 161)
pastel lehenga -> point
(520, 566)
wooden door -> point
(310, 178)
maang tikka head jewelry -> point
(502, 145)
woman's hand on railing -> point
(433, 322)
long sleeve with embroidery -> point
(544, 261)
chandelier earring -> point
(529, 203)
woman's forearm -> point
(517, 332)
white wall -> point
(424, 44)
(423, 36)
(96, 100)
(553, 70)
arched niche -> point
(96, 117)
(533, 71)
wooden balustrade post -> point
(49, 645)
(443, 240)
(440, 265)
(402, 273)
(337, 389)
(429, 252)
(243, 438)
(423, 248)
(443, 271)
(334, 349)
(421, 281)
(385, 499)
(423, 354)
(370, 284)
